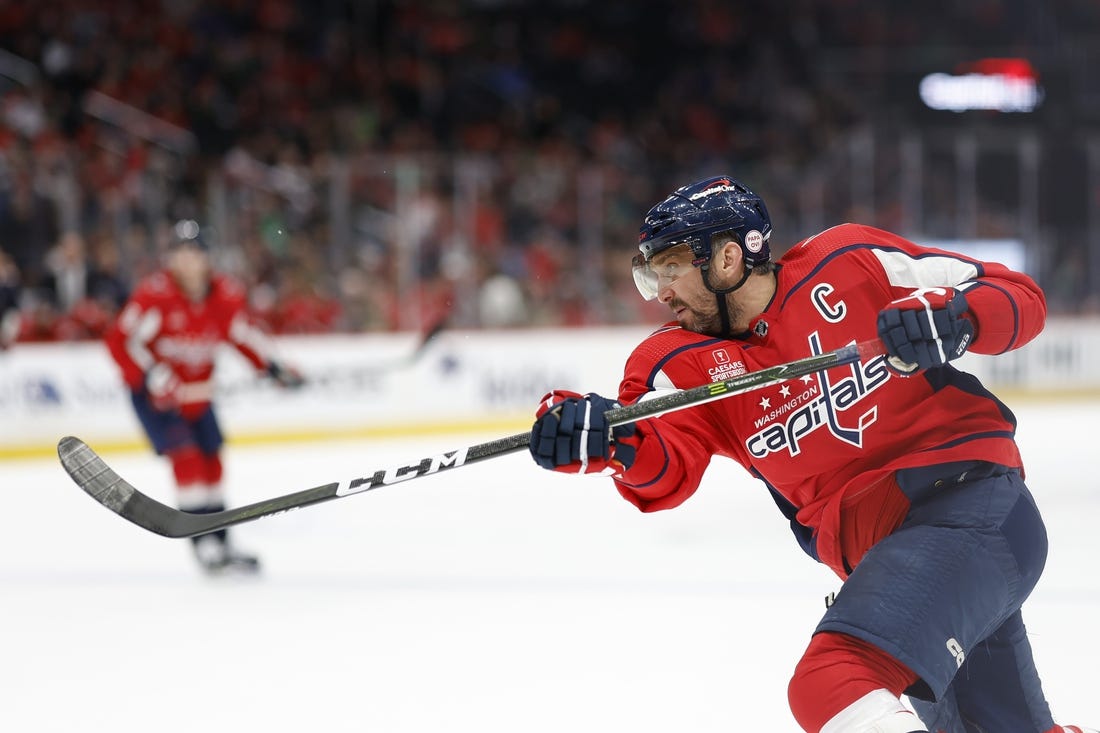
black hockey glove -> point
(571, 435)
(927, 329)
(286, 377)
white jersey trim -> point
(662, 385)
(245, 334)
(141, 327)
(906, 271)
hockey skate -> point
(217, 557)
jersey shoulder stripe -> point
(662, 346)
(884, 253)
(660, 364)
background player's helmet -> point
(698, 211)
(188, 232)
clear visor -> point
(645, 279)
(649, 277)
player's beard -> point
(704, 318)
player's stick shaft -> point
(102, 483)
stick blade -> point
(92, 474)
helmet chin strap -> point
(720, 295)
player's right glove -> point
(571, 435)
(926, 329)
(163, 387)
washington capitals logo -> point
(821, 405)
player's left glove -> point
(926, 329)
(571, 435)
(163, 388)
(286, 376)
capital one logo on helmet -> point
(719, 187)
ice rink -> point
(494, 598)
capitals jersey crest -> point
(832, 402)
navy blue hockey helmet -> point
(693, 214)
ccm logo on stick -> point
(385, 477)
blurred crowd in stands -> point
(273, 121)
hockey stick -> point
(100, 481)
(353, 376)
(408, 360)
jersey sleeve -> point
(673, 450)
(245, 336)
(130, 337)
(1007, 307)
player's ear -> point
(730, 259)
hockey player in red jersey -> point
(900, 473)
(164, 341)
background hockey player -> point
(164, 341)
(900, 473)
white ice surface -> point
(495, 598)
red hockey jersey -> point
(161, 324)
(827, 445)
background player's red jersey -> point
(160, 324)
(827, 443)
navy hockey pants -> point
(942, 594)
(168, 430)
